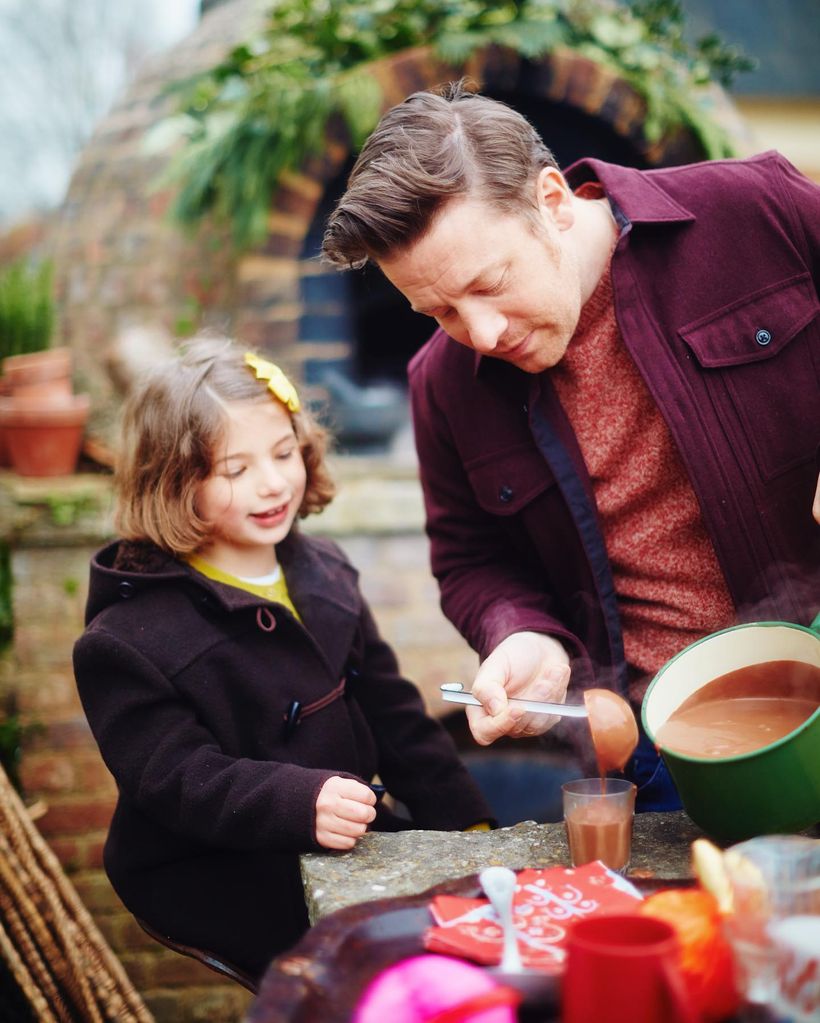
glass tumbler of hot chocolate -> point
(598, 814)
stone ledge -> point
(376, 497)
(55, 511)
(389, 865)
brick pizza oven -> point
(122, 264)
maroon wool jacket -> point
(715, 279)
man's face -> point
(501, 284)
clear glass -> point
(773, 877)
(796, 941)
(598, 816)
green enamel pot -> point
(770, 790)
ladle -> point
(611, 721)
(613, 726)
(499, 886)
(453, 692)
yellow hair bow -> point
(278, 383)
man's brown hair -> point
(171, 423)
(433, 147)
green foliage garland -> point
(264, 108)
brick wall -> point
(53, 527)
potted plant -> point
(41, 420)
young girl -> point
(232, 673)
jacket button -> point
(126, 590)
(505, 494)
(763, 337)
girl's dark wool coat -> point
(187, 685)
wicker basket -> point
(48, 941)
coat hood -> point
(125, 567)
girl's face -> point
(255, 489)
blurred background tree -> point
(64, 63)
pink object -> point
(624, 969)
(435, 989)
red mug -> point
(624, 968)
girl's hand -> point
(344, 808)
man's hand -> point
(344, 808)
(815, 508)
(529, 665)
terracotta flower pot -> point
(39, 373)
(43, 434)
(5, 457)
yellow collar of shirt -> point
(276, 591)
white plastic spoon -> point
(499, 885)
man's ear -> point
(554, 198)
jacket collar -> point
(320, 579)
(324, 587)
(633, 193)
(317, 576)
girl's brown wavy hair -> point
(172, 422)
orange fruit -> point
(706, 958)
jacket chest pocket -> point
(763, 353)
(508, 479)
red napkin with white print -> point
(545, 905)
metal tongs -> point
(453, 692)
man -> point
(618, 416)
